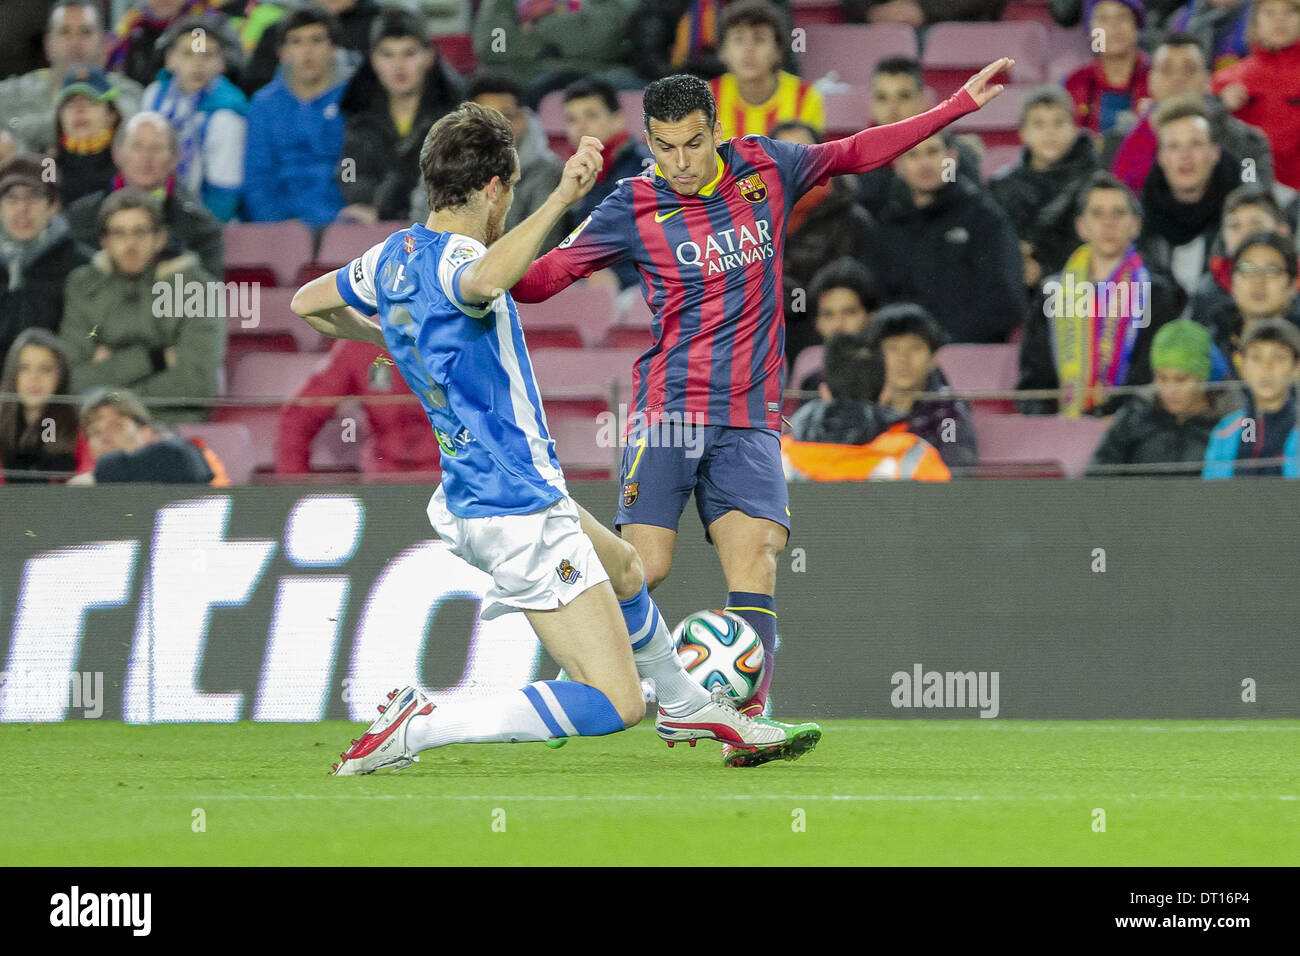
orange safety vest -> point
(894, 455)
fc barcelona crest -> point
(753, 188)
(630, 490)
(567, 572)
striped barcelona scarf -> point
(696, 30)
(1094, 329)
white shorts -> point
(537, 561)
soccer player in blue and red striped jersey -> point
(705, 229)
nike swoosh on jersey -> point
(661, 216)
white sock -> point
(678, 693)
(497, 718)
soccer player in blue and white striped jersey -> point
(455, 335)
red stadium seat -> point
(580, 315)
(585, 444)
(551, 113)
(279, 249)
(277, 329)
(584, 374)
(954, 51)
(808, 13)
(629, 104)
(274, 377)
(458, 50)
(232, 442)
(847, 113)
(996, 157)
(982, 368)
(1036, 11)
(998, 122)
(634, 328)
(1022, 440)
(344, 241)
(851, 50)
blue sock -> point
(570, 709)
(759, 610)
(642, 617)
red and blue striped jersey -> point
(710, 267)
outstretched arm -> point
(881, 145)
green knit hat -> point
(1182, 344)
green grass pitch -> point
(874, 792)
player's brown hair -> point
(462, 153)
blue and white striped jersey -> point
(468, 365)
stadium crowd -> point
(1120, 255)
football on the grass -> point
(720, 649)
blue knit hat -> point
(1139, 11)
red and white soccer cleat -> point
(384, 743)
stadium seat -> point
(277, 249)
(275, 378)
(851, 50)
(278, 329)
(584, 374)
(231, 441)
(344, 241)
(458, 50)
(811, 360)
(629, 104)
(585, 444)
(1036, 11)
(996, 157)
(847, 112)
(998, 122)
(982, 368)
(809, 13)
(580, 315)
(1023, 440)
(551, 113)
(633, 328)
(329, 452)
(954, 51)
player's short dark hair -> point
(776, 131)
(752, 13)
(676, 97)
(845, 273)
(855, 371)
(1252, 195)
(398, 23)
(1272, 330)
(900, 66)
(587, 87)
(131, 197)
(118, 399)
(1104, 179)
(1182, 38)
(309, 15)
(463, 151)
(905, 318)
(491, 84)
(1280, 244)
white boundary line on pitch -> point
(657, 797)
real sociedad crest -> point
(753, 188)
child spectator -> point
(207, 111)
(400, 91)
(127, 445)
(37, 434)
(906, 337)
(1178, 69)
(1265, 428)
(1092, 324)
(846, 435)
(87, 121)
(1116, 80)
(36, 251)
(295, 127)
(755, 93)
(136, 50)
(943, 243)
(1174, 425)
(898, 93)
(1246, 211)
(827, 223)
(1182, 201)
(1056, 157)
(120, 333)
(1264, 88)
(399, 439)
(1263, 287)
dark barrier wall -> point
(1086, 599)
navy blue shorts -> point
(729, 469)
